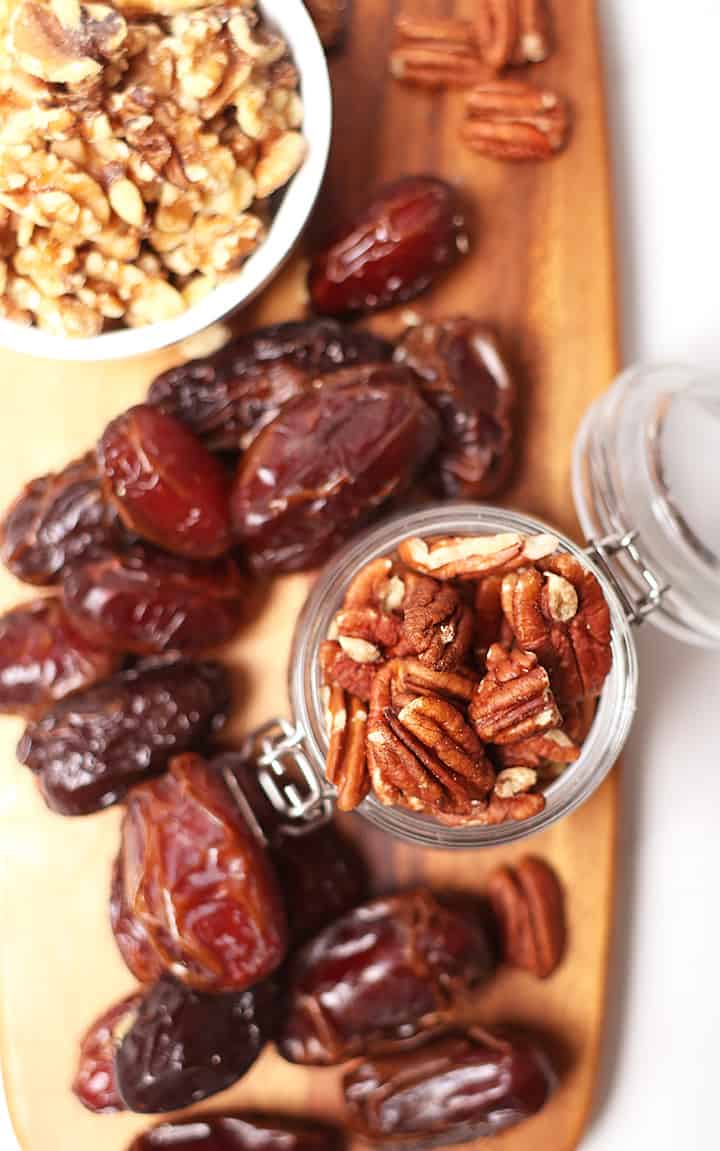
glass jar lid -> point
(646, 473)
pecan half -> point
(533, 38)
(342, 669)
(529, 907)
(496, 31)
(498, 809)
(554, 746)
(437, 623)
(423, 755)
(346, 766)
(560, 613)
(509, 120)
(473, 557)
(514, 700)
(376, 585)
(436, 53)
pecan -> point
(496, 30)
(473, 557)
(528, 905)
(498, 809)
(514, 700)
(409, 678)
(533, 41)
(550, 747)
(515, 781)
(559, 612)
(578, 718)
(436, 53)
(376, 585)
(510, 120)
(346, 765)
(437, 623)
(491, 625)
(423, 755)
(340, 669)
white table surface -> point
(659, 1085)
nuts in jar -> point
(449, 686)
(139, 151)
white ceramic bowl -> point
(291, 19)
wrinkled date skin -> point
(321, 873)
(184, 1046)
(392, 251)
(43, 657)
(165, 485)
(463, 377)
(199, 881)
(133, 941)
(323, 466)
(245, 1131)
(56, 520)
(454, 1088)
(94, 1083)
(90, 748)
(384, 970)
(145, 601)
(226, 398)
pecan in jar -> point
(514, 700)
(406, 234)
(323, 467)
(57, 520)
(94, 1082)
(226, 398)
(199, 881)
(528, 903)
(474, 557)
(464, 378)
(184, 1046)
(384, 970)
(558, 611)
(43, 657)
(346, 762)
(453, 1088)
(164, 483)
(241, 1131)
(91, 747)
(146, 601)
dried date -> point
(90, 748)
(405, 235)
(452, 1089)
(227, 398)
(165, 485)
(43, 657)
(199, 882)
(184, 1046)
(133, 941)
(464, 378)
(384, 970)
(94, 1083)
(323, 467)
(146, 601)
(244, 1131)
(56, 520)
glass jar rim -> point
(616, 704)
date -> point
(227, 398)
(90, 748)
(199, 881)
(399, 242)
(94, 1083)
(133, 941)
(56, 520)
(166, 486)
(184, 1046)
(385, 970)
(464, 378)
(323, 467)
(43, 657)
(244, 1131)
(454, 1088)
(145, 601)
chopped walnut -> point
(514, 700)
(137, 131)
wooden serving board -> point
(541, 269)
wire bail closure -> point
(288, 779)
(624, 545)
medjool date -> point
(246, 1131)
(94, 1083)
(90, 748)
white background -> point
(661, 1071)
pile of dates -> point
(461, 675)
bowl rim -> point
(295, 24)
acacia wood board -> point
(541, 269)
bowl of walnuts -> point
(158, 162)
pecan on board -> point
(511, 120)
(529, 907)
(436, 53)
(513, 32)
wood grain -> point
(541, 269)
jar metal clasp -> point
(288, 778)
(624, 545)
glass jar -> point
(649, 549)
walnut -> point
(514, 700)
(473, 557)
(559, 612)
(423, 755)
(346, 760)
(437, 623)
(64, 41)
